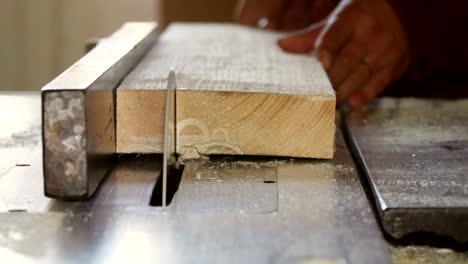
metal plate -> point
(415, 156)
(78, 113)
(314, 219)
(20, 114)
(228, 185)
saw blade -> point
(169, 151)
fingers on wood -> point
(301, 43)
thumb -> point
(300, 43)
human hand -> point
(284, 14)
(362, 46)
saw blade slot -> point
(173, 183)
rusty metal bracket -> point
(78, 113)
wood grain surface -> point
(238, 93)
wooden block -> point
(238, 93)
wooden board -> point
(238, 93)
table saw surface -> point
(255, 210)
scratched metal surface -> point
(20, 123)
(282, 211)
(415, 154)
